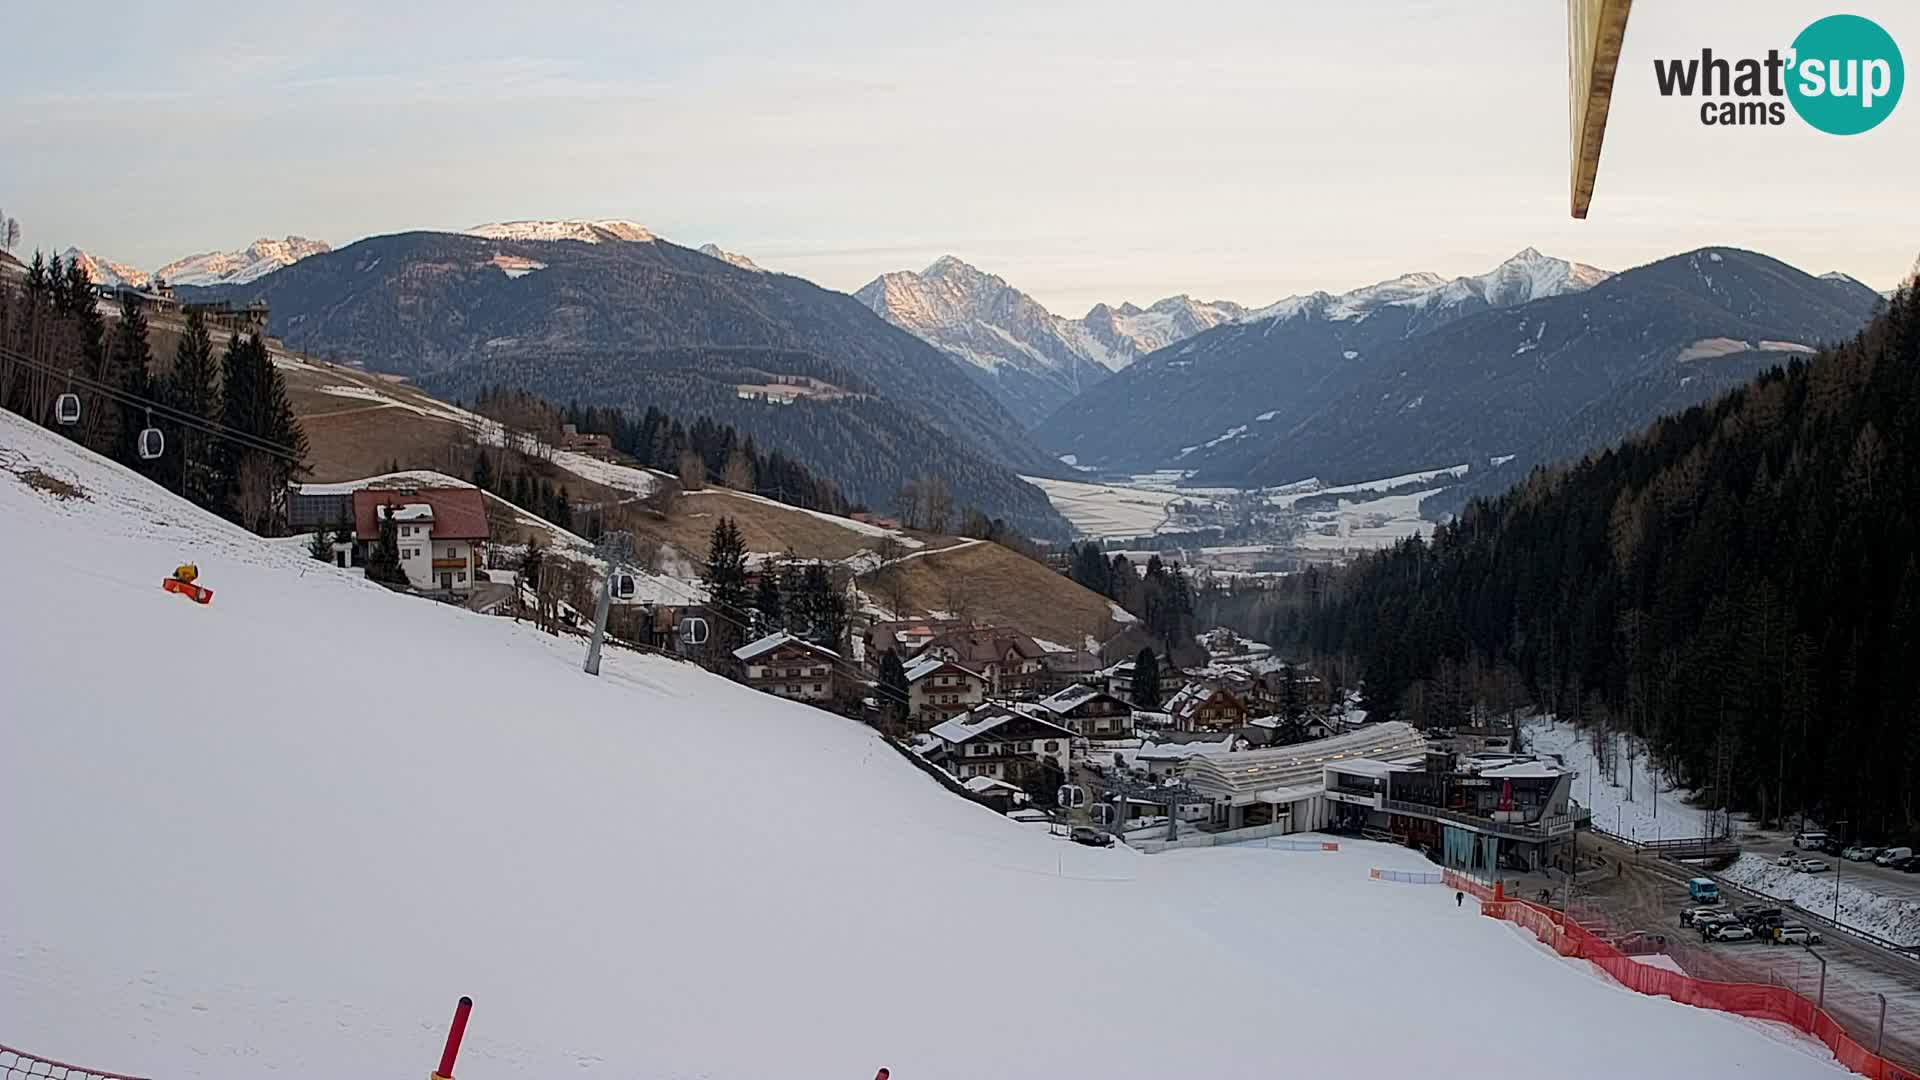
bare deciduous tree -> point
(693, 471)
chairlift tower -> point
(614, 548)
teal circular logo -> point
(1846, 76)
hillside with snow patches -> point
(282, 832)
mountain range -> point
(1538, 359)
(256, 260)
(606, 313)
(1033, 360)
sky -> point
(1086, 152)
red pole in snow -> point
(454, 1034)
(881, 1075)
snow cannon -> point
(182, 583)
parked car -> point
(1730, 932)
(1795, 934)
(1859, 853)
(1805, 840)
(1090, 836)
(1640, 943)
(1787, 859)
(1688, 915)
(1908, 865)
(1706, 924)
(1766, 916)
(1888, 856)
(1704, 890)
(1833, 846)
(1812, 866)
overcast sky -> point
(1084, 151)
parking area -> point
(1880, 879)
(1648, 895)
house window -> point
(1053, 746)
(816, 688)
(459, 575)
(451, 555)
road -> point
(1648, 894)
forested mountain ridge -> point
(635, 324)
(1404, 388)
(1191, 401)
(1739, 585)
(1510, 382)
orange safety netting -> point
(1569, 938)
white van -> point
(1891, 854)
(1807, 840)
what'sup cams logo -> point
(1843, 75)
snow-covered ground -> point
(1642, 817)
(1357, 526)
(1895, 918)
(1148, 506)
(1103, 510)
(283, 832)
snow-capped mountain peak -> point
(256, 260)
(106, 271)
(1036, 359)
(1528, 275)
(587, 232)
(715, 251)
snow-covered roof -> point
(927, 665)
(1525, 770)
(1373, 767)
(411, 512)
(773, 641)
(1076, 694)
(1241, 777)
(1181, 751)
(980, 785)
(404, 478)
(984, 719)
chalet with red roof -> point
(442, 532)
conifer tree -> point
(725, 576)
(894, 695)
(129, 360)
(1146, 680)
(191, 389)
(826, 607)
(768, 614)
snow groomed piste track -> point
(370, 803)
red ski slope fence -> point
(20, 1065)
(1569, 938)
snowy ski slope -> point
(279, 835)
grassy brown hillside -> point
(987, 583)
(360, 424)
